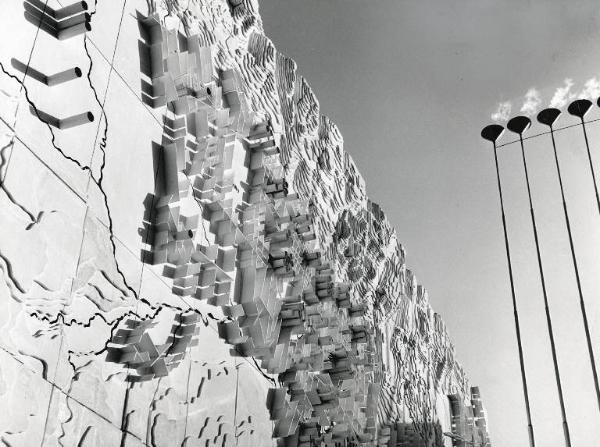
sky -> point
(411, 84)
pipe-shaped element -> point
(61, 13)
(63, 123)
(63, 29)
(51, 80)
(492, 133)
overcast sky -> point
(411, 84)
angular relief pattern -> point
(266, 299)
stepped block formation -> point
(285, 307)
(62, 23)
(213, 272)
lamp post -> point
(492, 133)
(580, 108)
(519, 125)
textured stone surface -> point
(200, 264)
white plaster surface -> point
(71, 241)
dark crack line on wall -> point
(9, 195)
(61, 315)
(201, 205)
(39, 359)
(100, 294)
(63, 423)
(187, 403)
(103, 140)
(3, 160)
(270, 379)
(151, 422)
(84, 436)
(111, 282)
(9, 272)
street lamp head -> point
(519, 124)
(579, 107)
(548, 116)
(492, 132)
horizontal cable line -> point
(558, 129)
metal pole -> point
(492, 133)
(579, 108)
(518, 125)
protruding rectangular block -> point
(59, 14)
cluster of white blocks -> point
(227, 229)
